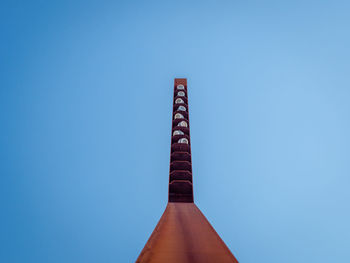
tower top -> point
(182, 81)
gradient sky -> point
(85, 113)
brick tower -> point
(183, 234)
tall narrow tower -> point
(183, 234)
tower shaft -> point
(180, 174)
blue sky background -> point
(85, 113)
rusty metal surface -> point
(184, 235)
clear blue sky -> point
(85, 113)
